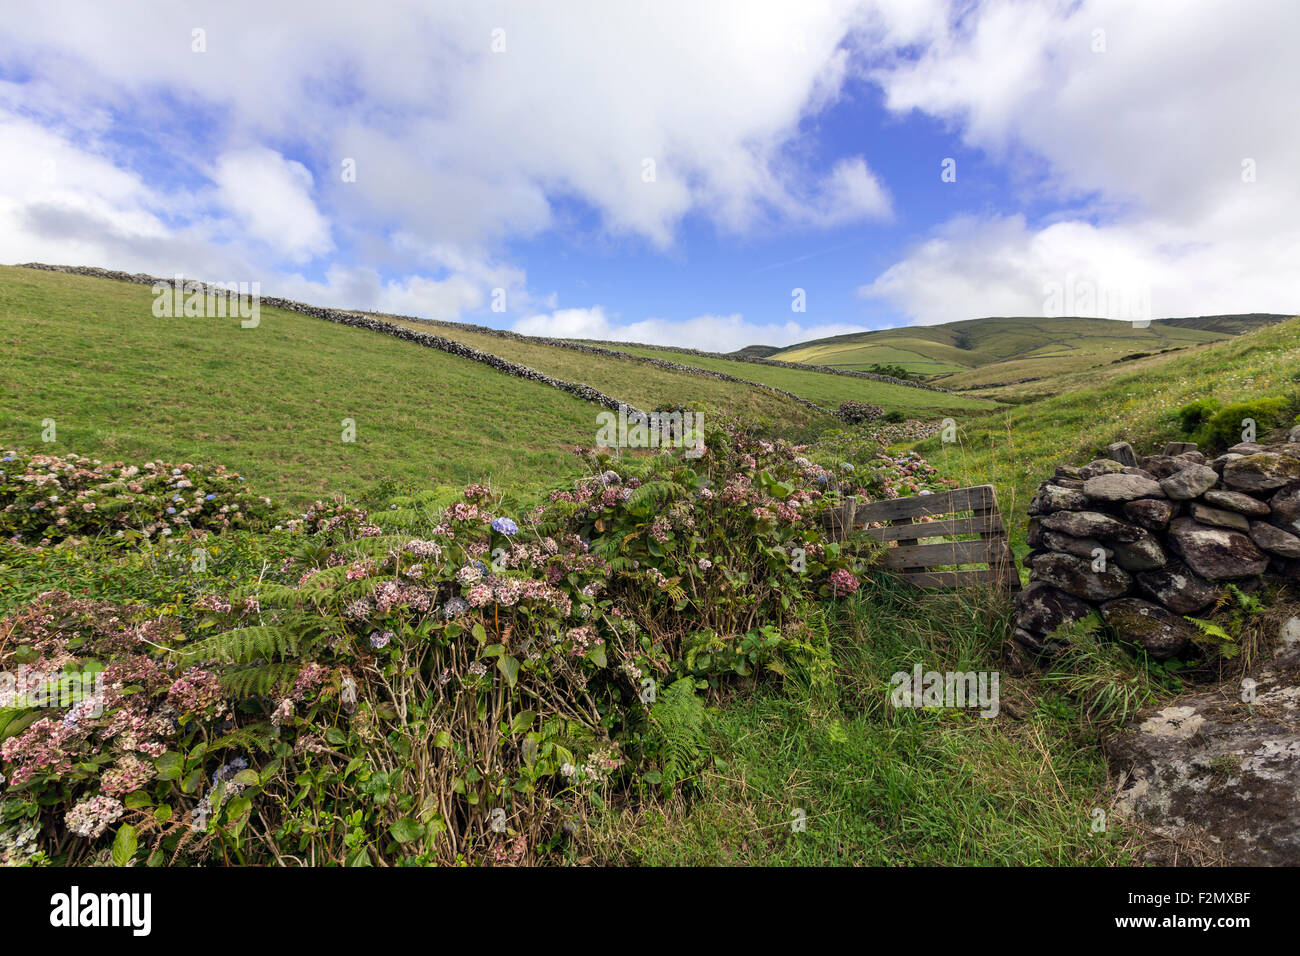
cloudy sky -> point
(667, 172)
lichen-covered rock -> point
(1245, 448)
(1190, 482)
(1163, 635)
(1274, 540)
(1042, 608)
(1052, 498)
(1214, 770)
(1235, 501)
(1080, 547)
(1091, 524)
(1218, 517)
(1265, 471)
(1162, 466)
(1075, 576)
(1122, 487)
(1178, 588)
(1102, 466)
(1153, 514)
(1216, 553)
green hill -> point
(999, 350)
(268, 402)
(1018, 446)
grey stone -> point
(1218, 517)
(1163, 635)
(1142, 554)
(1274, 540)
(1285, 508)
(1052, 498)
(1122, 452)
(1209, 774)
(1075, 576)
(1235, 501)
(1151, 513)
(1162, 466)
(1102, 466)
(1178, 588)
(1091, 524)
(1121, 487)
(1042, 608)
(1216, 553)
(1265, 471)
(1223, 461)
(1245, 448)
(1190, 482)
(1179, 447)
(1080, 547)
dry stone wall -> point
(360, 321)
(1147, 542)
(374, 322)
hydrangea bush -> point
(436, 680)
(46, 498)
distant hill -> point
(998, 350)
(756, 351)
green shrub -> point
(1225, 427)
(1192, 415)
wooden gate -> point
(965, 522)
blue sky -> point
(499, 151)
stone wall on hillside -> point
(374, 322)
(1147, 542)
(777, 363)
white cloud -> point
(1145, 138)
(712, 333)
(270, 197)
(454, 142)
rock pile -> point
(1147, 542)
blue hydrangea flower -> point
(171, 511)
(505, 526)
(455, 608)
(208, 497)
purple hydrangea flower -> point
(505, 526)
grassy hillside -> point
(825, 389)
(640, 383)
(1017, 447)
(268, 402)
(1005, 349)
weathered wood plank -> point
(947, 502)
(990, 523)
(943, 552)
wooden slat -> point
(990, 523)
(950, 579)
(944, 552)
(947, 502)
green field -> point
(1017, 447)
(979, 352)
(639, 383)
(825, 389)
(268, 402)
